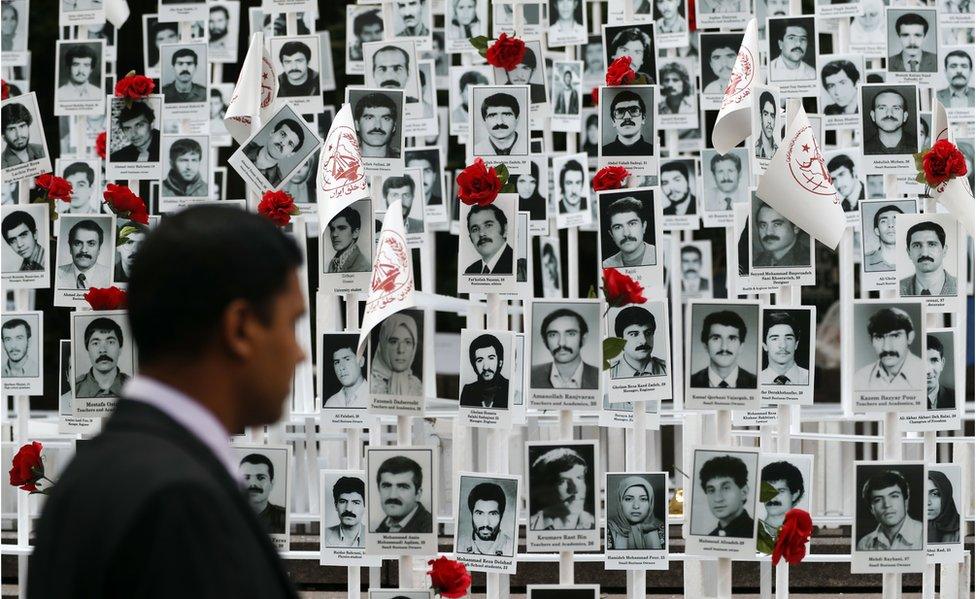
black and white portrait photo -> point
(23, 336)
(889, 119)
(133, 140)
(348, 246)
(274, 152)
(155, 33)
(14, 20)
(488, 246)
(888, 342)
(786, 343)
(765, 128)
(24, 152)
(644, 329)
(26, 233)
(943, 504)
(725, 346)
(500, 123)
(670, 22)
(725, 179)
(567, 23)
(890, 515)
(533, 193)
(940, 370)
(628, 228)
(396, 366)
(776, 241)
(185, 160)
(926, 250)
(791, 477)
(594, 62)
(677, 106)
(103, 356)
(847, 172)
(550, 267)
(792, 50)
(678, 179)
(636, 513)
(364, 24)
(695, 264)
(406, 189)
(487, 374)
(343, 376)
(878, 218)
(297, 60)
(464, 19)
(627, 121)
(840, 75)
(393, 65)
(183, 77)
(264, 472)
(409, 19)
(129, 237)
(571, 176)
(958, 95)
(487, 521)
(566, 88)
(562, 485)
(718, 54)
(79, 76)
(400, 496)
(459, 94)
(913, 45)
(723, 500)
(378, 117)
(429, 161)
(343, 509)
(565, 345)
(85, 251)
(635, 41)
(85, 175)
(223, 24)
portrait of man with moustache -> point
(287, 137)
(563, 333)
(526, 72)
(787, 480)
(911, 30)
(377, 119)
(297, 77)
(390, 68)
(488, 232)
(572, 187)
(218, 25)
(780, 242)
(939, 396)
(790, 38)
(677, 91)
(413, 16)
(850, 189)
(500, 133)
(136, 123)
(103, 344)
(925, 243)
(718, 57)
(182, 89)
(81, 73)
(16, 120)
(349, 499)
(626, 220)
(839, 79)
(85, 239)
(399, 482)
(892, 334)
(486, 503)
(627, 115)
(781, 339)
(693, 281)
(767, 143)
(367, 26)
(723, 335)
(636, 326)
(959, 93)
(676, 181)
(726, 174)
(18, 358)
(258, 475)
(889, 126)
(490, 390)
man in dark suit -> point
(564, 334)
(940, 397)
(627, 116)
(487, 358)
(725, 481)
(16, 121)
(723, 334)
(400, 481)
(912, 29)
(136, 122)
(181, 525)
(488, 231)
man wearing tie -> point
(85, 240)
(911, 29)
(723, 334)
(726, 171)
(781, 337)
(488, 231)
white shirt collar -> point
(190, 414)
(714, 379)
(575, 381)
(491, 262)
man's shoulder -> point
(905, 285)
(700, 378)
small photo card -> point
(562, 478)
(401, 500)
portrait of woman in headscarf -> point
(396, 346)
(942, 514)
(634, 526)
(301, 185)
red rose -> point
(126, 204)
(610, 177)
(134, 87)
(942, 162)
(478, 185)
(595, 96)
(620, 289)
(100, 143)
(620, 73)
(279, 206)
(791, 542)
(4, 90)
(449, 578)
(55, 188)
(106, 298)
(27, 467)
(506, 53)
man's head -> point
(722, 334)
(667, 10)
(344, 229)
(238, 325)
(286, 138)
(103, 342)
(561, 474)
(958, 69)
(295, 58)
(524, 70)
(16, 121)
(675, 182)
(349, 498)
(400, 187)
(725, 480)
(911, 29)
(892, 333)
(166, 33)
(80, 60)
(136, 121)
(793, 42)
(925, 242)
(410, 11)
(16, 334)
(486, 502)
(726, 170)
(20, 233)
(391, 67)
(841, 169)
(884, 224)
(626, 224)
(81, 176)
(781, 337)
(564, 333)
(674, 78)
(376, 119)
(128, 245)
(184, 65)
(788, 482)
(691, 261)
(777, 8)
(634, 43)
(636, 326)
(470, 78)
(400, 482)
(775, 232)
(566, 9)
(217, 22)
(368, 26)
(428, 170)
(886, 495)
(839, 78)
(347, 365)
(721, 60)
(767, 114)
(184, 158)
(627, 114)
(571, 177)
(487, 357)
(934, 362)
(550, 261)
(258, 474)
(500, 112)
(487, 229)
(85, 242)
(889, 110)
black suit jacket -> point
(147, 510)
(130, 153)
(503, 266)
(420, 523)
(746, 379)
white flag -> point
(733, 123)
(116, 12)
(391, 288)
(254, 94)
(955, 194)
(797, 184)
(940, 123)
(341, 179)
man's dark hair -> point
(691, 249)
(80, 167)
(352, 217)
(678, 167)
(486, 492)
(631, 34)
(767, 96)
(257, 458)
(911, 18)
(883, 209)
(137, 109)
(726, 318)
(483, 341)
(391, 48)
(15, 219)
(374, 100)
(887, 320)
(86, 225)
(680, 71)
(562, 313)
(222, 254)
(925, 225)
(932, 342)
(570, 165)
(724, 466)
(836, 66)
(771, 319)
(498, 212)
(184, 146)
(792, 23)
(840, 161)
(184, 53)
(785, 472)
(103, 325)
(399, 464)
(163, 26)
(888, 90)
(730, 156)
(632, 315)
(365, 19)
(471, 78)
(14, 113)
(222, 9)
(79, 51)
(294, 127)
(958, 54)
(624, 205)
(628, 96)
(348, 484)
(13, 323)
(500, 99)
(398, 181)
(883, 480)
(547, 249)
(529, 59)
(293, 47)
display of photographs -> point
(942, 378)
(26, 236)
(563, 492)
(641, 371)
(788, 352)
(183, 81)
(486, 522)
(912, 48)
(485, 378)
(85, 256)
(722, 356)
(271, 155)
(133, 139)
(718, 54)
(103, 359)
(24, 154)
(401, 502)
(565, 359)
(347, 249)
(79, 73)
(926, 260)
(297, 59)
(792, 55)
(570, 176)
(396, 368)
(342, 535)
(636, 520)
(879, 238)
(488, 238)
(567, 93)
(265, 472)
(23, 352)
(887, 341)
(627, 128)
(499, 126)
(378, 116)
(890, 499)
(780, 252)
(723, 502)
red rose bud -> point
(55, 188)
(506, 53)
(106, 298)
(610, 177)
(942, 162)
(100, 144)
(791, 542)
(126, 204)
(478, 185)
(4, 90)
(27, 467)
(134, 87)
(620, 73)
(620, 289)
(449, 578)
(595, 96)
(279, 206)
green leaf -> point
(480, 42)
(502, 171)
(612, 346)
(509, 187)
(764, 542)
(591, 294)
(767, 492)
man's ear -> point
(911, 337)
(236, 329)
